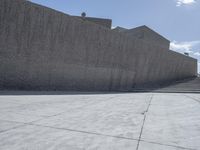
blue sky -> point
(177, 20)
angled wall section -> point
(43, 49)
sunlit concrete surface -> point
(77, 121)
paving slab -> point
(173, 119)
(119, 116)
(10, 116)
(100, 121)
(41, 138)
(195, 97)
(5, 125)
(157, 146)
(47, 105)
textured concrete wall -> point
(100, 21)
(143, 32)
(44, 49)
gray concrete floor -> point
(129, 121)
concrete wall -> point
(47, 50)
(143, 32)
(100, 21)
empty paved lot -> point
(129, 121)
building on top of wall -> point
(147, 34)
(141, 32)
(107, 23)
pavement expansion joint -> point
(143, 106)
(169, 145)
(85, 132)
(16, 127)
(195, 99)
(145, 114)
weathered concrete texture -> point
(147, 34)
(144, 32)
(134, 121)
(103, 22)
(187, 86)
(47, 50)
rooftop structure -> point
(147, 34)
(100, 21)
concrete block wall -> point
(42, 49)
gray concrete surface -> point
(77, 121)
(144, 32)
(43, 49)
(100, 21)
(191, 85)
(185, 86)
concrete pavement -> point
(125, 121)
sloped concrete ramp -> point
(191, 85)
(101, 121)
(186, 86)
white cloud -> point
(184, 46)
(197, 53)
(187, 47)
(184, 2)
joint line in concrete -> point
(168, 145)
(195, 99)
(145, 115)
(87, 132)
